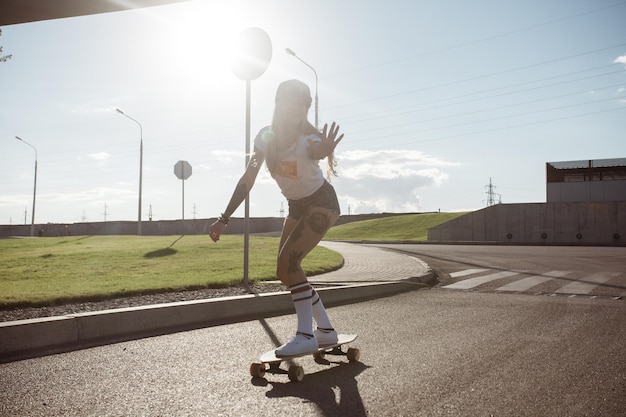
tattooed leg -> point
(288, 268)
(299, 238)
(319, 222)
(295, 258)
(296, 234)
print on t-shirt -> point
(288, 169)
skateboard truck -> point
(296, 372)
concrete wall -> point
(154, 228)
(164, 227)
(563, 192)
(602, 223)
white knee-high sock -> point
(301, 294)
(319, 313)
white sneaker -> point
(297, 345)
(326, 338)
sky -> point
(435, 98)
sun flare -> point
(196, 40)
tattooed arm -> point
(244, 185)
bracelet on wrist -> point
(223, 219)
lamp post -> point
(140, 167)
(292, 53)
(32, 224)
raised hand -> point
(329, 142)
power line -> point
(488, 38)
(479, 77)
(368, 116)
(523, 103)
(483, 120)
(387, 146)
(130, 154)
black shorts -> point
(324, 197)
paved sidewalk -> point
(368, 263)
(368, 273)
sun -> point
(187, 50)
(198, 39)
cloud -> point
(90, 196)
(72, 203)
(621, 100)
(226, 157)
(99, 156)
(202, 167)
(388, 180)
(92, 110)
(9, 200)
(620, 60)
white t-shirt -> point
(296, 174)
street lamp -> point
(140, 167)
(292, 53)
(32, 224)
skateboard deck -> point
(295, 372)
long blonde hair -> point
(273, 135)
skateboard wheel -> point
(257, 370)
(296, 373)
(319, 355)
(353, 354)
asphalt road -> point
(551, 270)
(424, 353)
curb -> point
(25, 339)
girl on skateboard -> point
(292, 148)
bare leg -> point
(298, 239)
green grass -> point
(408, 227)
(49, 271)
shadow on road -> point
(334, 391)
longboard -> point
(296, 372)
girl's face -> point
(293, 109)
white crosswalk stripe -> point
(467, 272)
(588, 284)
(569, 282)
(527, 283)
(475, 282)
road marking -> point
(466, 272)
(475, 282)
(587, 284)
(527, 283)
